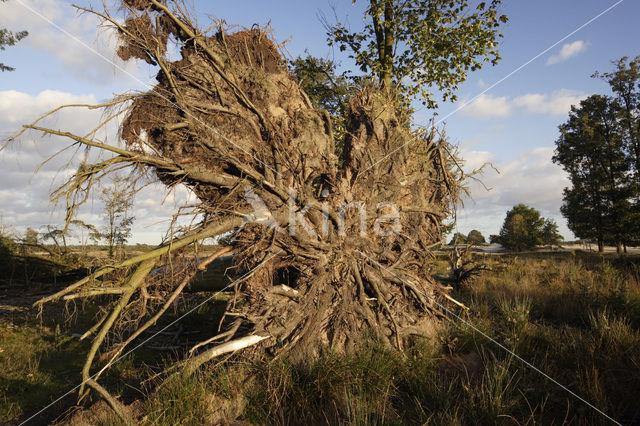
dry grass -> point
(576, 317)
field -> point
(575, 316)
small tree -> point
(87, 232)
(31, 237)
(458, 238)
(522, 228)
(7, 250)
(118, 201)
(58, 237)
(30, 240)
(550, 235)
(475, 237)
(7, 245)
(418, 45)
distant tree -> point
(58, 237)
(475, 237)
(550, 235)
(591, 150)
(9, 38)
(494, 239)
(88, 232)
(458, 238)
(417, 46)
(8, 248)
(30, 240)
(118, 202)
(31, 237)
(447, 228)
(522, 228)
(7, 245)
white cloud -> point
(488, 106)
(567, 51)
(24, 196)
(57, 29)
(531, 179)
(556, 103)
(19, 108)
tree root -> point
(135, 281)
(162, 310)
(116, 405)
(192, 364)
(228, 121)
(211, 230)
(227, 335)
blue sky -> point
(512, 125)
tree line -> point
(523, 228)
(599, 147)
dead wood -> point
(229, 121)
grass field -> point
(574, 316)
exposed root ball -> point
(330, 252)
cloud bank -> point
(24, 195)
(531, 179)
(557, 103)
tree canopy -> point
(475, 237)
(524, 228)
(598, 147)
(550, 234)
(458, 238)
(417, 46)
(625, 84)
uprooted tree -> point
(325, 253)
